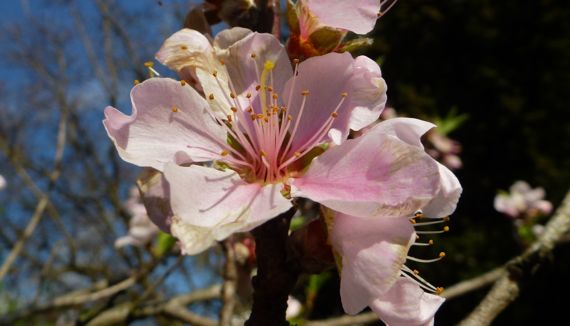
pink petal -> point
(210, 198)
(373, 175)
(407, 130)
(358, 16)
(327, 78)
(156, 198)
(236, 47)
(186, 48)
(407, 304)
(154, 135)
(447, 196)
(368, 95)
(373, 251)
(410, 131)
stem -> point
(276, 275)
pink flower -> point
(261, 128)
(141, 229)
(374, 248)
(266, 133)
(523, 201)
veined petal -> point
(407, 304)
(330, 80)
(245, 54)
(169, 122)
(358, 16)
(373, 175)
(446, 198)
(210, 198)
(368, 93)
(373, 251)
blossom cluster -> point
(262, 128)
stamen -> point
(211, 97)
(136, 82)
(174, 108)
(182, 82)
(419, 260)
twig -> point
(508, 287)
(229, 286)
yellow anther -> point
(379, 14)
(232, 95)
(446, 228)
(234, 109)
(416, 272)
(430, 242)
(248, 95)
(174, 108)
(295, 61)
(149, 64)
(275, 96)
(258, 87)
(229, 118)
(253, 55)
(260, 116)
(224, 152)
(439, 290)
(297, 154)
(262, 153)
(344, 94)
(269, 65)
(441, 254)
(265, 119)
(289, 117)
(412, 221)
(136, 82)
(446, 218)
(183, 47)
(222, 62)
(211, 96)
(215, 73)
(275, 109)
(305, 93)
(182, 82)
(419, 215)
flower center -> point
(261, 130)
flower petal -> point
(410, 131)
(155, 193)
(210, 198)
(406, 129)
(358, 16)
(368, 94)
(373, 251)
(373, 175)
(327, 78)
(186, 48)
(446, 198)
(245, 54)
(407, 304)
(154, 134)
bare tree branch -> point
(508, 287)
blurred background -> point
(494, 75)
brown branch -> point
(276, 272)
(508, 287)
